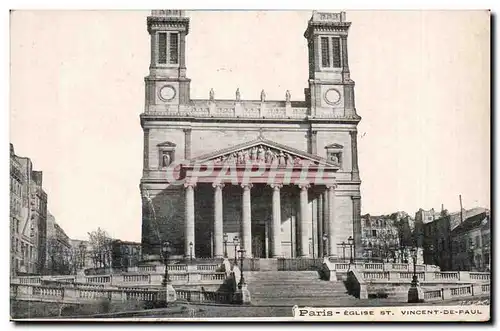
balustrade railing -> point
(206, 267)
(461, 291)
(479, 276)
(447, 275)
(433, 295)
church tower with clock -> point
(311, 140)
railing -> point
(479, 276)
(213, 276)
(77, 295)
(48, 291)
(30, 280)
(485, 288)
(136, 278)
(177, 267)
(375, 275)
(399, 266)
(342, 266)
(374, 266)
(203, 296)
(461, 291)
(206, 267)
(299, 264)
(93, 294)
(147, 268)
(98, 279)
(433, 294)
(409, 275)
(447, 275)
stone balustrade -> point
(74, 294)
(399, 272)
(457, 292)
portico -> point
(252, 191)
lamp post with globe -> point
(415, 293)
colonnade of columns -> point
(326, 201)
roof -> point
(472, 223)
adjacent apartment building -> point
(28, 217)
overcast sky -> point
(422, 89)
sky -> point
(422, 90)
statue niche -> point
(166, 158)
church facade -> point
(275, 178)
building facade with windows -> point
(28, 210)
(274, 176)
(471, 244)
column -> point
(305, 218)
(187, 144)
(354, 154)
(218, 223)
(276, 222)
(314, 228)
(325, 219)
(332, 245)
(320, 226)
(247, 219)
(345, 58)
(189, 230)
(356, 226)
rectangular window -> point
(168, 48)
(336, 52)
(478, 242)
(162, 48)
(374, 233)
(325, 52)
(174, 48)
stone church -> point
(275, 178)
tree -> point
(100, 243)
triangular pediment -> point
(263, 151)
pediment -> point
(334, 146)
(166, 144)
(263, 151)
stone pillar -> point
(314, 228)
(313, 142)
(189, 225)
(345, 58)
(276, 225)
(187, 144)
(247, 219)
(305, 218)
(145, 158)
(326, 212)
(356, 226)
(218, 222)
(331, 220)
(354, 154)
(320, 226)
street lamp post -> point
(242, 280)
(350, 241)
(325, 246)
(169, 295)
(225, 245)
(415, 293)
(343, 251)
(235, 242)
(166, 252)
(191, 251)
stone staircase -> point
(289, 288)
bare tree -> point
(100, 243)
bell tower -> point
(167, 85)
(331, 90)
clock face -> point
(167, 93)
(332, 96)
